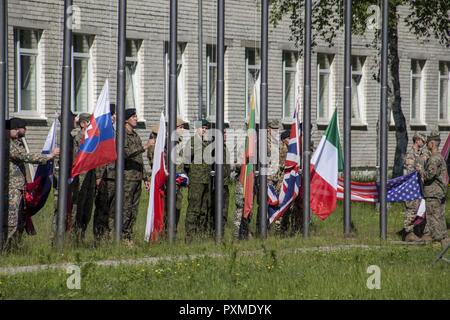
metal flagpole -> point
(3, 106)
(347, 114)
(307, 117)
(172, 118)
(200, 59)
(263, 160)
(383, 121)
(120, 110)
(66, 127)
(219, 199)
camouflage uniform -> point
(17, 179)
(104, 214)
(413, 158)
(83, 195)
(198, 215)
(435, 179)
(133, 175)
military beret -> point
(17, 123)
(129, 113)
(84, 117)
(434, 136)
(112, 108)
(226, 126)
(274, 124)
(418, 135)
(285, 134)
(8, 124)
(206, 123)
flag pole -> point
(120, 109)
(307, 118)
(219, 198)
(172, 119)
(263, 160)
(383, 122)
(347, 115)
(66, 127)
(200, 59)
(3, 107)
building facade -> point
(35, 69)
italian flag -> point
(325, 164)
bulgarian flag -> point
(247, 176)
(155, 211)
(325, 164)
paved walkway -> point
(154, 260)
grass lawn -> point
(272, 270)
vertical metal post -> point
(66, 127)
(172, 118)
(263, 118)
(120, 110)
(3, 107)
(383, 121)
(307, 118)
(200, 59)
(347, 114)
(219, 199)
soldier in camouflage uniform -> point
(199, 215)
(106, 187)
(134, 174)
(83, 196)
(17, 158)
(416, 156)
(435, 180)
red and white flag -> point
(155, 211)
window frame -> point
(247, 68)
(181, 98)
(329, 71)
(84, 57)
(361, 90)
(445, 121)
(19, 52)
(285, 70)
(136, 78)
(210, 64)
(421, 119)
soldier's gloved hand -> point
(55, 153)
(233, 175)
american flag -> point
(404, 188)
(291, 180)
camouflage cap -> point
(421, 136)
(434, 136)
(155, 129)
(180, 122)
(84, 117)
(274, 124)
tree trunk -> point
(395, 103)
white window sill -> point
(28, 115)
(417, 124)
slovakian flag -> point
(36, 192)
(325, 164)
(155, 211)
(291, 179)
(98, 146)
(247, 176)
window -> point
(252, 79)
(27, 71)
(81, 70)
(181, 112)
(417, 91)
(211, 78)
(444, 88)
(324, 86)
(132, 74)
(358, 98)
(290, 83)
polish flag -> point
(155, 211)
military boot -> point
(411, 237)
(427, 238)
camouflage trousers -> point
(132, 190)
(292, 218)
(104, 214)
(16, 218)
(436, 226)
(71, 208)
(410, 214)
(83, 198)
(178, 205)
(198, 215)
(239, 200)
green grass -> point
(273, 272)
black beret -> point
(112, 108)
(285, 134)
(206, 123)
(8, 124)
(129, 113)
(17, 123)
